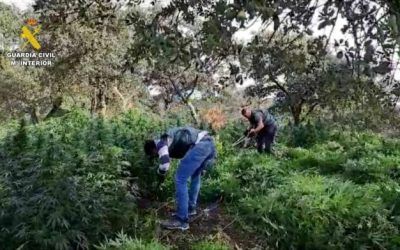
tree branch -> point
(194, 83)
(177, 90)
(333, 27)
(272, 78)
(311, 110)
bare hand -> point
(252, 131)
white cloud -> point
(20, 4)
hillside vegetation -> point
(73, 174)
(58, 191)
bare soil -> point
(217, 224)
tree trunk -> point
(193, 113)
(98, 103)
(124, 100)
(101, 106)
(56, 107)
(186, 100)
(33, 113)
(296, 113)
(93, 103)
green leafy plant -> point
(71, 180)
(124, 242)
(209, 245)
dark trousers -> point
(266, 138)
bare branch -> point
(333, 27)
(313, 106)
(280, 86)
(177, 90)
(194, 83)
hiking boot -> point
(192, 212)
(175, 223)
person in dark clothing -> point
(263, 126)
(196, 149)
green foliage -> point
(340, 192)
(240, 175)
(69, 181)
(209, 245)
(360, 157)
(304, 135)
(227, 136)
(59, 191)
(124, 242)
(315, 212)
(9, 25)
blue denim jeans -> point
(199, 157)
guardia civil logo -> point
(30, 52)
(29, 32)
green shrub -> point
(390, 146)
(319, 157)
(257, 174)
(124, 242)
(360, 157)
(227, 136)
(245, 173)
(314, 212)
(307, 199)
(368, 169)
(209, 245)
(390, 194)
(5, 128)
(69, 181)
(303, 135)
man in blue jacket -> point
(196, 149)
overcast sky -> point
(20, 4)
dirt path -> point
(215, 225)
